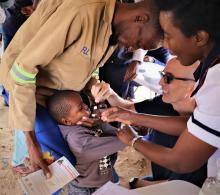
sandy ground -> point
(129, 163)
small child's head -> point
(67, 107)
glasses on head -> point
(169, 77)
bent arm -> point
(189, 153)
(116, 100)
(96, 148)
(172, 125)
(102, 91)
(44, 46)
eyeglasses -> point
(169, 77)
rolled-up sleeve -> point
(50, 41)
(139, 54)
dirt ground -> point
(129, 163)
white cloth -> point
(6, 4)
(136, 1)
(205, 121)
(2, 15)
(138, 55)
(212, 164)
(148, 75)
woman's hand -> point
(101, 91)
(126, 135)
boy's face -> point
(78, 110)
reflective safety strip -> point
(22, 76)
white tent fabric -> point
(148, 75)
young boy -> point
(91, 147)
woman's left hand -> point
(126, 135)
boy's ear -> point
(202, 38)
(66, 121)
(142, 18)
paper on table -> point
(148, 75)
(174, 187)
(113, 189)
(62, 173)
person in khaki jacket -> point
(61, 45)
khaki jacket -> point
(58, 47)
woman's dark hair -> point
(192, 16)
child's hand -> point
(89, 122)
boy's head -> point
(67, 107)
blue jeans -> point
(73, 189)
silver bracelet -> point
(135, 139)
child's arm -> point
(108, 129)
(86, 147)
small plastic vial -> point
(211, 185)
(97, 109)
